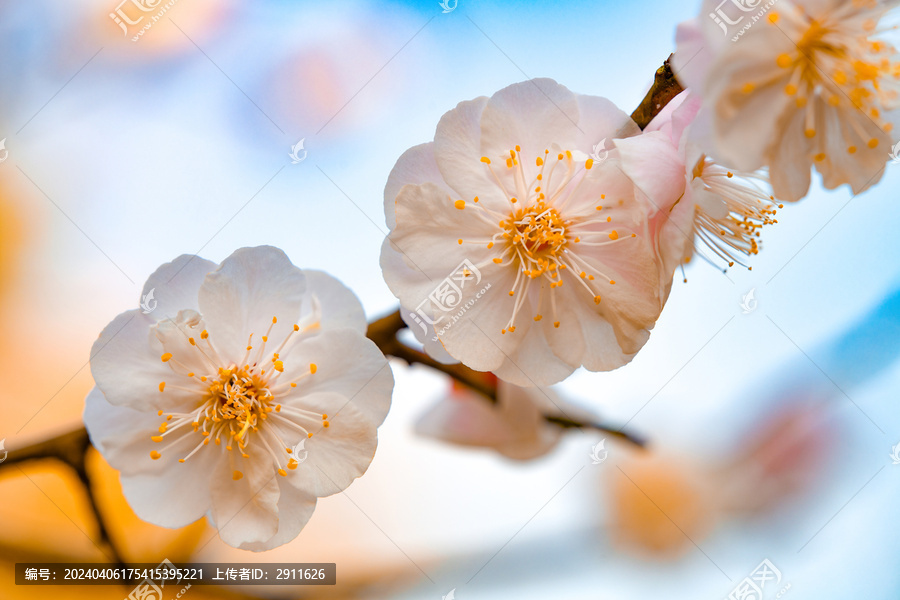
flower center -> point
(836, 60)
(537, 237)
(239, 403)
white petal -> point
(249, 288)
(599, 119)
(163, 492)
(125, 363)
(457, 151)
(175, 285)
(348, 364)
(295, 508)
(336, 455)
(245, 511)
(340, 306)
(414, 167)
(424, 332)
(533, 114)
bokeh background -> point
(123, 155)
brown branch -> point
(665, 87)
(384, 333)
(71, 449)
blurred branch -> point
(70, 449)
(665, 87)
(384, 333)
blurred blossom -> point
(201, 20)
(812, 84)
(784, 457)
(513, 426)
(659, 502)
(319, 382)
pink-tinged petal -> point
(295, 509)
(163, 491)
(241, 297)
(347, 364)
(457, 151)
(414, 167)
(861, 168)
(474, 337)
(532, 114)
(513, 427)
(745, 122)
(339, 305)
(126, 364)
(337, 455)
(245, 510)
(789, 171)
(427, 238)
(693, 56)
(654, 166)
(600, 119)
(175, 285)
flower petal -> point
(414, 167)
(249, 288)
(245, 511)
(336, 455)
(340, 306)
(175, 284)
(457, 151)
(348, 364)
(533, 114)
(163, 492)
(125, 363)
(295, 509)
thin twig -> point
(384, 331)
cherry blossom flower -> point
(722, 210)
(811, 84)
(522, 254)
(514, 426)
(248, 392)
